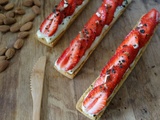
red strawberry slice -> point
(71, 5)
(117, 65)
(78, 47)
(119, 2)
(96, 100)
(111, 6)
(79, 2)
(131, 39)
(67, 7)
(97, 21)
(147, 25)
(63, 59)
(50, 24)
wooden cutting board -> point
(138, 99)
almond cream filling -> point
(61, 27)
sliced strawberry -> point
(67, 7)
(79, 2)
(78, 47)
(111, 6)
(131, 39)
(114, 70)
(119, 2)
(50, 24)
(152, 16)
(97, 21)
(71, 6)
(96, 100)
(147, 25)
(63, 59)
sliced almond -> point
(26, 26)
(23, 34)
(19, 11)
(2, 2)
(9, 21)
(37, 2)
(19, 44)
(10, 53)
(28, 3)
(36, 10)
(10, 14)
(15, 27)
(9, 6)
(4, 28)
(3, 58)
(3, 50)
(3, 65)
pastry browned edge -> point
(71, 76)
(80, 101)
(53, 43)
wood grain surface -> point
(138, 99)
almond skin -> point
(2, 2)
(3, 58)
(29, 17)
(28, 3)
(10, 53)
(23, 34)
(4, 28)
(19, 11)
(9, 21)
(36, 10)
(9, 6)
(15, 27)
(19, 44)
(37, 2)
(26, 26)
(10, 14)
(2, 16)
(3, 50)
(3, 65)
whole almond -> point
(9, 6)
(37, 2)
(29, 17)
(9, 21)
(10, 53)
(36, 10)
(4, 28)
(28, 3)
(26, 26)
(19, 11)
(19, 44)
(23, 34)
(10, 14)
(2, 2)
(15, 27)
(3, 65)
(2, 16)
(3, 50)
(3, 58)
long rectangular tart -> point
(55, 25)
(97, 97)
(80, 48)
